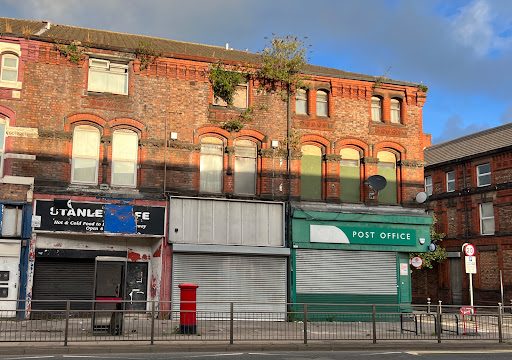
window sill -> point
(229, 107)
(11, 85)
(99, 93)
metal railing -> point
(88, 321)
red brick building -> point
(468, 180)
(109, 133)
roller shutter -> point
(62, 279)
(346, 272)
(260, 280)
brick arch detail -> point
(350, 142)
(214, 130)
(72, 119)
(9, 114)
(388, 145)
(312, 139)
(253, 135)
(127, 122)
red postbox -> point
(188, 321)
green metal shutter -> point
(346, 272)
(260, 280)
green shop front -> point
(354, 257)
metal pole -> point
(471, 289)
(66, 330)
(231, 321)
(501, 286)
(374, 323)
(153, 322)
(305, 307)
(428, 305)
(439, 327)
(500, 322)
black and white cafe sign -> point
(70, 216)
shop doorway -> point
(109, 291)
(9, 275)
(136, 285)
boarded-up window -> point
(9, 68)
(86, 150)
(395, 111)
(311, 173)
(376, 108)
(350, 175)
(125, 149)
(12, 220)
(240, 97)
(211, 165)
(245, 167)
(107, 76)
(301, 102)
(322, 103)
(387, 168)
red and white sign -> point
(416, 261)
(469, 250)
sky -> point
(460, 49)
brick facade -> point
(458, 215)
(174, 95)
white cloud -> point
(475, 27)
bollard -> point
(188, 320)
(428, 305)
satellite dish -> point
(421, 197)
(377, 182)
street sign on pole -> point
(470, 265)
(469, 249)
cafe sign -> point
(82, 217)
(363, 234)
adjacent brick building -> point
(469, 183)
(111, 131)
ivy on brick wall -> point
(432, 257)
(224, 82)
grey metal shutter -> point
(63, 279)
(253, 283)
(346, 272)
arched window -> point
(85, 155)
(125, 151)
(376, 108)
(9, 68)
(387, 167)
(322, 103)
(301, 102)
(311, 173)
(395, 111)
(350, 176)
(211, 164)
(245, 167)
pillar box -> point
(188, 321)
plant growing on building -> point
(146, 54)
(73, 51)
(423, 88)
(224, 82)
(432, 257)
(238, 123)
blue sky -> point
(461, 49)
